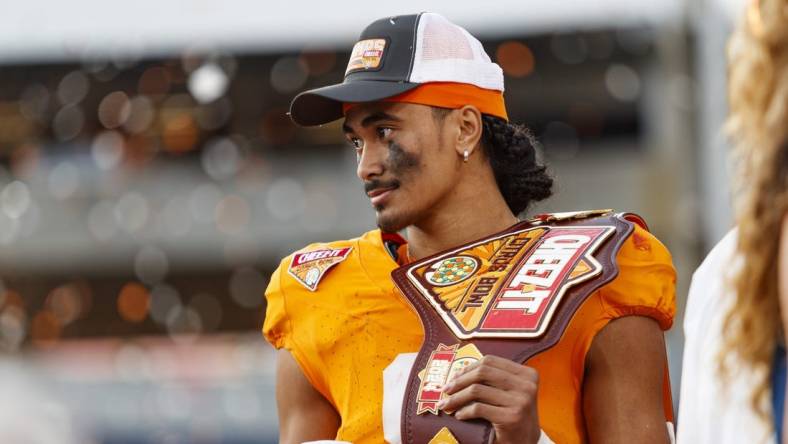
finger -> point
(500, 363)
(479, 410)
(487, 375)
(480, 375)
(477, 393)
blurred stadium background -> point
(150, 181)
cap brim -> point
(323, 105)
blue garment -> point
(778, 390)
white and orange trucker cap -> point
(421, 58)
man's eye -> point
(384, 132)
(356, 143)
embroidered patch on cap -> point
(367, 54)
(309, 267)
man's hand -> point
(500, 391)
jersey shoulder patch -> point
(308, 266)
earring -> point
(465, 156)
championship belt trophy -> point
(511, 294)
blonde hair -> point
(758, 99)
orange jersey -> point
(347, 325)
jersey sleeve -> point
(276, 327)
(284, 309)
(646, 283)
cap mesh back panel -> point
(443, 41)
(447, 53)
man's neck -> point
(474, 218)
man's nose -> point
(370, 162)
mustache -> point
(374, 184)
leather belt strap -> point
(511, 294)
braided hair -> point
(511, 149)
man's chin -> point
(390, 223)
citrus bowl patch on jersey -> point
(309, 267)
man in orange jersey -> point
(424, 110)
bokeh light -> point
(107, 149)
(288, 75)
(45, 329)
(12, 298)
(141, 114)
(15, 199)
(133, 302)
(184, 324)
(154, 82)
(221, 158)
(114, 109)
(66, 303)
(622, 82)
(68, 122)
(208, 82)
(180, 133)
(570, 49)
(73, 88)
(163, 298)
(131, 212)
(515, 58)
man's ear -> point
(469, 124)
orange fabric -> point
(345, 334)
(451, 95)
